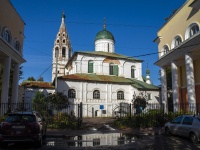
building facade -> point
(179, 49)
(11, 49)
(102, 80)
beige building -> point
(11, 48)
(179, 48)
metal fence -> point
(58, 115)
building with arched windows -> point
(11, 50)
(179, 49)
(102, 80)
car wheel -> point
(167, 131)
(193, 138)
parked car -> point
(23, 127)
(185, 125)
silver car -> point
(185, 125)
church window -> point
(17, 45)
(90, 66)
(132, 71)
(63, 52)
(120, 95)
(149, 96)
(7, 35)
(72, 93)
(96, 94)
(63, 41)
(57, 41)
(113, 69)
(63, 34)
(96, 141)
(56, 52)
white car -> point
(185, 125)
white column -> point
(164, 88)
(5, 80)
(175, 90)
(190, 82)
(15, 84)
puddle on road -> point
(95, 139)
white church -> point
(102, 80)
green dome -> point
(104, 34)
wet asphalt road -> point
(153, 142)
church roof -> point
(108, 79)
(37, 84)
(105, 54)
(104, 34)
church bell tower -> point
(62, 51)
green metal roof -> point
(104, 34)
(109, 79)
(143, 85)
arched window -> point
(165, 50)
(120, 95)
(17, 45)
(113, 69)
(96, 94)
(63, 52)
(56, 52)
(71, 93)
(192, 30)
(7, 35)
(132, 71)
(177, 41)
(90, 66)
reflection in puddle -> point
(95, 139)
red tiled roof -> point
(37, 84)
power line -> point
(44, 71)
(93, 23)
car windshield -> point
(13, 118)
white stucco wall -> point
(108, 96)
(80, 65)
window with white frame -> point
(7, 35)
(17, 45)
(96, 94)
(132, 71)
(72, 93)
(149, 96)
(113, 68)
(96, 141)
(177, 41)
(192, 30)
(90, 66)
(120, 95)
(165, 50)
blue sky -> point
(134, 24)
